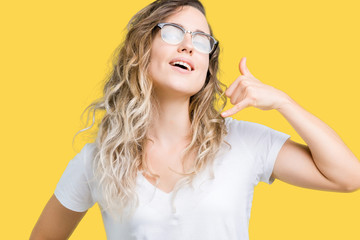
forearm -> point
(330, 154)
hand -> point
(248, 91)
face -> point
(173, 80)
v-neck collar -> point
(152, 187)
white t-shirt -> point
(215, 209)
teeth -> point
(183, 64)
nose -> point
(186, 45)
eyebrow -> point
(197, 30)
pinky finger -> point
(237, 108)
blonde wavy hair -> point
(129, 104)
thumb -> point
(243, 68)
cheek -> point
(151, 68)
(155, 58)
(204, 69)
(154, 66)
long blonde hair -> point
(128, 102)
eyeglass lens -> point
(175, 35)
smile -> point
(182, 64)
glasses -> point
(174, 34)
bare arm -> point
(56, 221)
(326, 163)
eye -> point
(172, 34)
(202, 42)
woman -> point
(166, 164)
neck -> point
(172, 123)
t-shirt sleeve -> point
(264, 143)
(73, 189)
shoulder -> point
(89, 150)
(82, 163)
(251, 132)
(244, 127)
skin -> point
(171, 130)
(325, 163)
(56, 222)
(173, 89)
(169, 83)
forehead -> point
(190, 18)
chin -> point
(177, 91)
(178, 86)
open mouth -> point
(182, 65)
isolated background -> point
(55, 55)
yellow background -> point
(54, 56)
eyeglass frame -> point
(161, 25)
